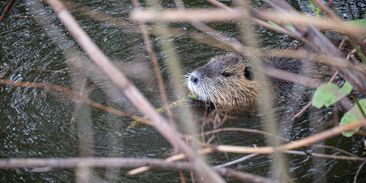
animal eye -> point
(248, 73)
(226, 74)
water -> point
(36, 123)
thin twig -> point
(222, 15)
(242, 130)
(275, 136)
(295, 78)
(156, 66)
(23, 17)
(7, 8)
(358, 171)
(182, 177)
(257, 21)
(327, 10)
(236, 161)
(220, 5)
(305, 108)
(294, 144)
(326, 156)
(121, 23)
(170, 159)
(91, 162)
(302, 111)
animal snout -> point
(194, 79)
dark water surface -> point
(35, 123)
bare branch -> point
(91, 162)
(223, 15)
(294, 144)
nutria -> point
(227, 81)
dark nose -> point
(194, 79)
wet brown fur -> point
(223, 82)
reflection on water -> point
(38, 123)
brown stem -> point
(304, 109)
(7, 8)
(358, 171)
(242, 130)
(119, 162)
(170, 159)
(221, 15)
(91, 162)
(182, 177)
(256, 20)
(155, 63)
(295, 78)
(274, 136)
(327, 10)
(294, 144)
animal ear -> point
(248, 73)
(232, 71)
(226, 74)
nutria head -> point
(226, 81)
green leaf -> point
(353, 115)
(347, 87)
(328, 94)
